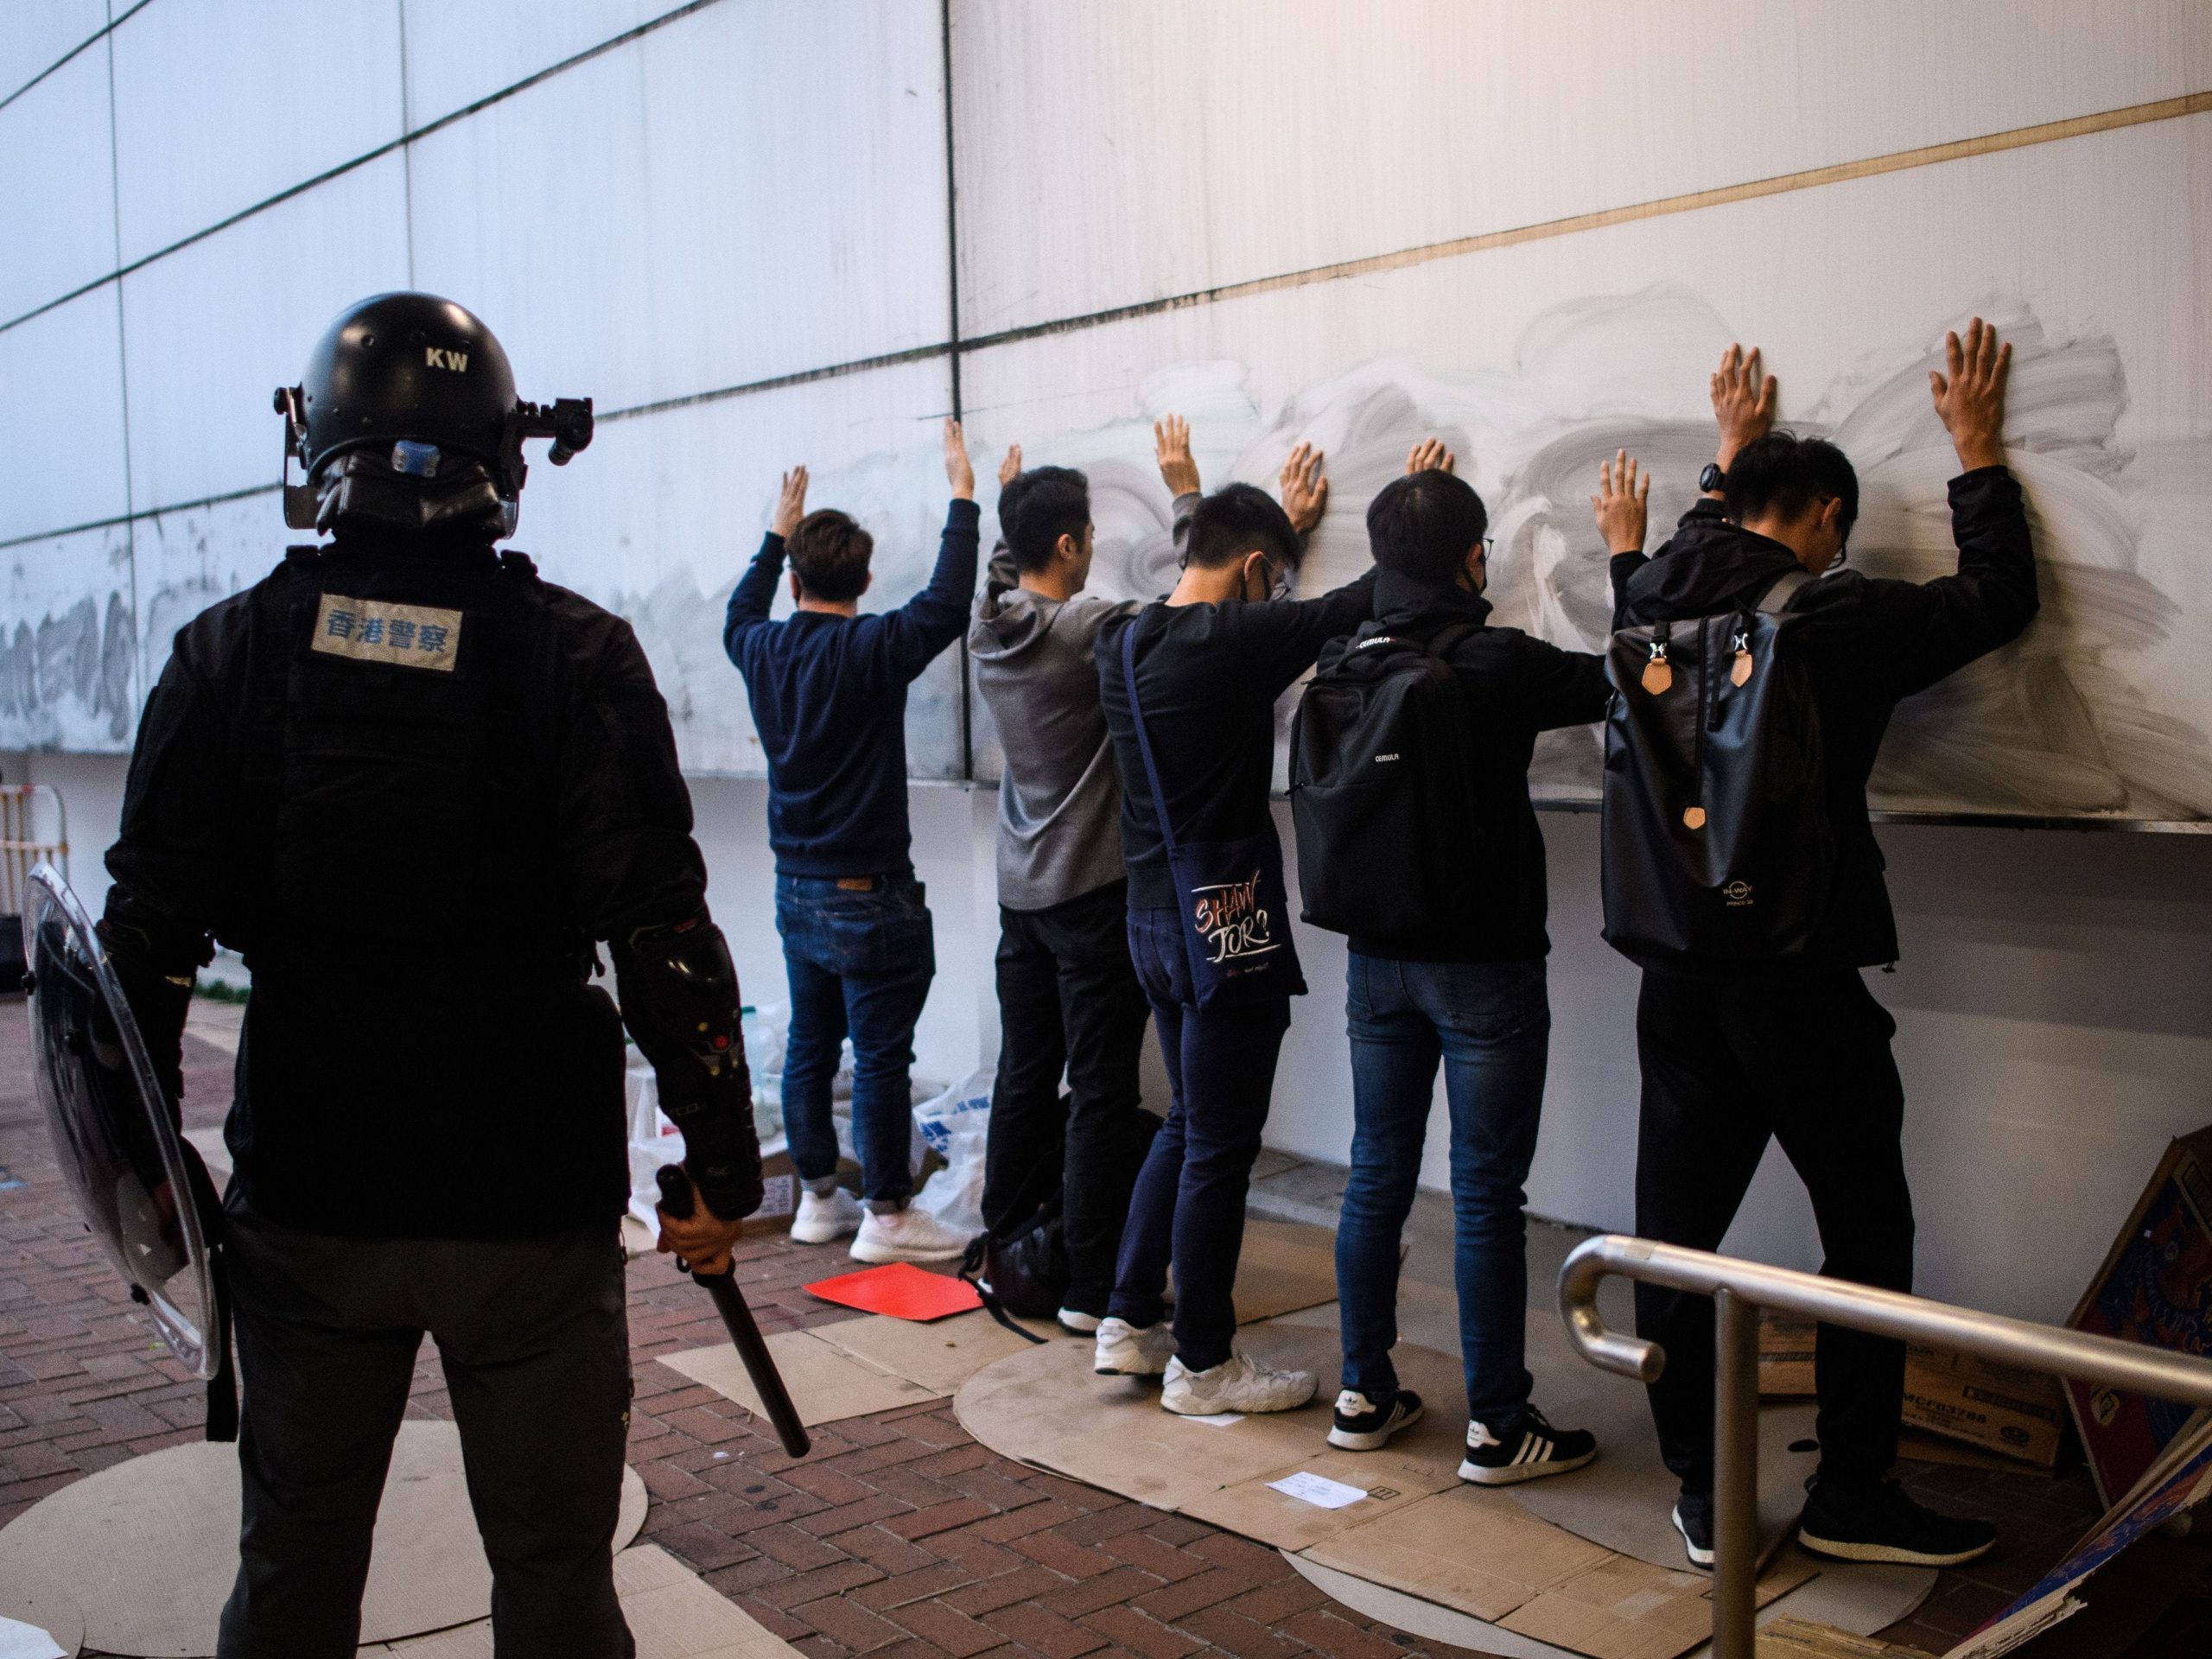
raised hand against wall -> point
(1430, 455)
(1970, 398)
(1010, 469)
(959, 472)
(1171, 443)
(1620, 504)
(791, 503)
(1743, 401)
(1305, 488)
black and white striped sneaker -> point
(1365, 1425)
(1524, 1448)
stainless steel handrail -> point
(1739, 1289)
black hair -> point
(1238, 519)
(831, 552)
(1784, 473)
(1422, 526)
(1039, 506)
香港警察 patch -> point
(373, 630)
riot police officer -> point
(415, 783)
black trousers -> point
(1803, 1057)
(535, 1343)
(1068, 1001)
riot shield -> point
(113, 1132)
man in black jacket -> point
(413, 783)
(1798, 1049)
(1470, 996)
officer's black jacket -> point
(1870, 642)
(413, 846)
(1516, 686)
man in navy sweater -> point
(829, 692)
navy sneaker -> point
(1693, 1518)
(1524, 1448)
(1365, 1425)
(1881, 1522)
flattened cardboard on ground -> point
(1620, 1609)
(148, 1548)
(1253, 1509)
(2155, 1288)
(1471, 1550)
(672, 1612)
(1798, 1638)
(939, 1357)
(826, 1383)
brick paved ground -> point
(899, 1537)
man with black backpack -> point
(1409, 789)
(1742, 874)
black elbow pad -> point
(679, 994)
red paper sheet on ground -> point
(901, 1290)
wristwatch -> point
(1712, 480)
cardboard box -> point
(2155, 1288)
(1998, 1408)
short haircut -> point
(1039, 507)
(830, 554)
(1784, 473)
(1238, 519)
(1421, 525)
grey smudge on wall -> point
(2082, 717)
(70, 670)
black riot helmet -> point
(407, 419)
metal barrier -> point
(24, 843)
(1739, 1289)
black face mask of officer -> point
(362, 490)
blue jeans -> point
(1490, 1024)
(1188, 1207)
(860, 962)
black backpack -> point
(1381, 790)
(1717, 844)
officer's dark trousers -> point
(534, 1343)
(1804, 1058)
(1068, 1001)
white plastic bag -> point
(956, 1126)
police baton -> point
(675, 1198)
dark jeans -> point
(1188, 1207)
(860, 960)
(1803, 1057)
(1068, 1001)
(536, 1349)
(1490, 1025)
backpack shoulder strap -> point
(1446, 639)
(1786, 588)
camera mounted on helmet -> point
(407, 419)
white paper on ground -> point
(1318, 1490)
(21, 1641)
(1219, 1419)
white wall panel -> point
(659, 518)
(755, 190)
(1114, 151)
(57, 186)
(457, 55)
(61, 434)
(1537, 358)
(39, 31)
(221, 104)
(215, 328)
(68, 645)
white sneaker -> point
(1126, 1349)
(1239, 1384)
(908, 1235)
(1077, 1323)
(820, 1220)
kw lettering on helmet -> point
(439, 357)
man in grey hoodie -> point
(1068, 997)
